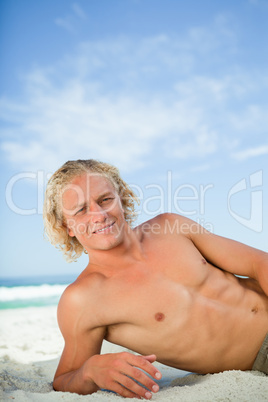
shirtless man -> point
(166, 289)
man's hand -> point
(117, 372)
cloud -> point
(72, 21)
(132, 102)
(65, 23)
(201, 168)
(258, 3)
(67, 124)
(79, 11)
(251, 152)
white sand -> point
(30, 346)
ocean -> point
(33, 291)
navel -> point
(159, 316)
(254, 310)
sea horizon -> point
(32, 291)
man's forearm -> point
(124, 373)
(75, 381)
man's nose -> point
(97, 214)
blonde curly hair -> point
(55, 227)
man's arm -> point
(230, 255)
(83, 370)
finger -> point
(122, 391)
(133, 387)
(142, 363)
(133, 373)
(144, 380)
(150, 358)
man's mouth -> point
(104, 229)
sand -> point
(30, 346)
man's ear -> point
(68, 229)
(70, 232)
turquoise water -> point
(32, 291)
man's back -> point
(169, 301)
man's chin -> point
(104, 242)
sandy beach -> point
(31, 344)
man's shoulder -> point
(86, 286)
(79, 298)
(166, 223)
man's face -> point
(93, 212)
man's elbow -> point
(62, 383)
(58, 384)
(67, 383)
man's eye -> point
(107, 199)
(80, 210)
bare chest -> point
(144, 298)
(153, 298)
(145, 311)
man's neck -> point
(119, 257)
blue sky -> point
(172, 92)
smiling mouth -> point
(105, 229)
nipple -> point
(159, 316)
(203, 261)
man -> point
(166, 289)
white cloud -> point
(66, 23)
(66, 125)
(132, 101)
(251, 152)
(258, 3)
(79, 11)
(201, 168)
(72, 21)
(200, 142)
(253, 118)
